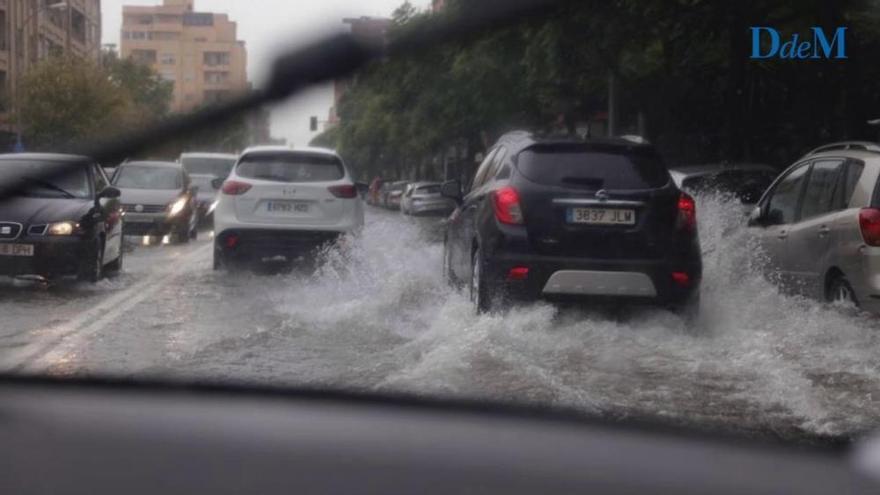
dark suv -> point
(566, 219)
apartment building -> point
(372, 30)
(198, 51)
(34, 30)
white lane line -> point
(94, 320)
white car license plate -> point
(287, 207)
(601, 216)
(16, 250)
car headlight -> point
(62, 228)
(177, 206)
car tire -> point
(181, 234)
(840, 291)
(480, 295)
(218, 263)
(115, 268)
(92, 270)
(194, 234)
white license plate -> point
(287, 207)
(601, 216)
(16, 250)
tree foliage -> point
(682, 70)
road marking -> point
(94, 320)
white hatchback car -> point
(284, 202)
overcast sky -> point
(268, 27)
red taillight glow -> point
(235, 188)
(518, 273)
(687, 213)
(869, 221)
(346, 192)
(507, 207)
(681, 279)
(231, 241)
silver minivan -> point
(819, 227)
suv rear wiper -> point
(49, 185)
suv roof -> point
(289, 149)
(846, 145)
(208, 155)
(517, 141)
(153, 163)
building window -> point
(195, 19)
(78, 25)
(126, 35)
(144, 56)
(4, 95)
(168, 19)
(168, 59)
(138, 35)
(168, 76)
(212, 59)
(216, 77)
(164, 36)
(144, 19)
(4, 41)
(216, 96)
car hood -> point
(38, 211)
(149, 196)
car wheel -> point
(218, 263)
(841, 292)
(479, 290)
(92, 270)
(115, 267)
(182, 234)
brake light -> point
(231, 241)
(518, 273)
(235, 188)
(347, 192)
(507, 207)
(869, 221)
(687, 213)
(681, 279)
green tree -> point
(151, 93)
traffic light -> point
(313, 124)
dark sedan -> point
(60, 217)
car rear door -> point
(781, 205)
(598, 202)
(810, 237)
(292, 188)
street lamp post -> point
(18, 61)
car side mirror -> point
(452, 190)
(110, 192)
(218, 182)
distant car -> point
(284, 202)
(566, 219)
(424, 198)
(203, 169)
(394, 194)
(819, 227)
(64, 219)
(158, 199)
(375, 192)
(745, 182)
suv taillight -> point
(869, 221)
(347, 192)
(687, 213)
(235, 188)
(507, 207)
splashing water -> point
(378, 315)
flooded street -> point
(378, 316)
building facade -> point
(198, 51)
(373, 30)
(34, 30)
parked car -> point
(375, 194)
(745, 182)
(65, 219)
(819, 227)
(394, 194)
(424, 198)
(565, 219)
(158, 199)
(203, 168)
(284, 202)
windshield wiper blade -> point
(49, 185)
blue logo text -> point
(797, 48)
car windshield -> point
(148, 177)
(46, 178)
(217, 167)
(290, 167)
(556, 263)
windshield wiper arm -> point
(49, 185)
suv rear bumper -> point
(563, 278)
(243, 245)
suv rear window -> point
(291, 167)
(593, 167)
